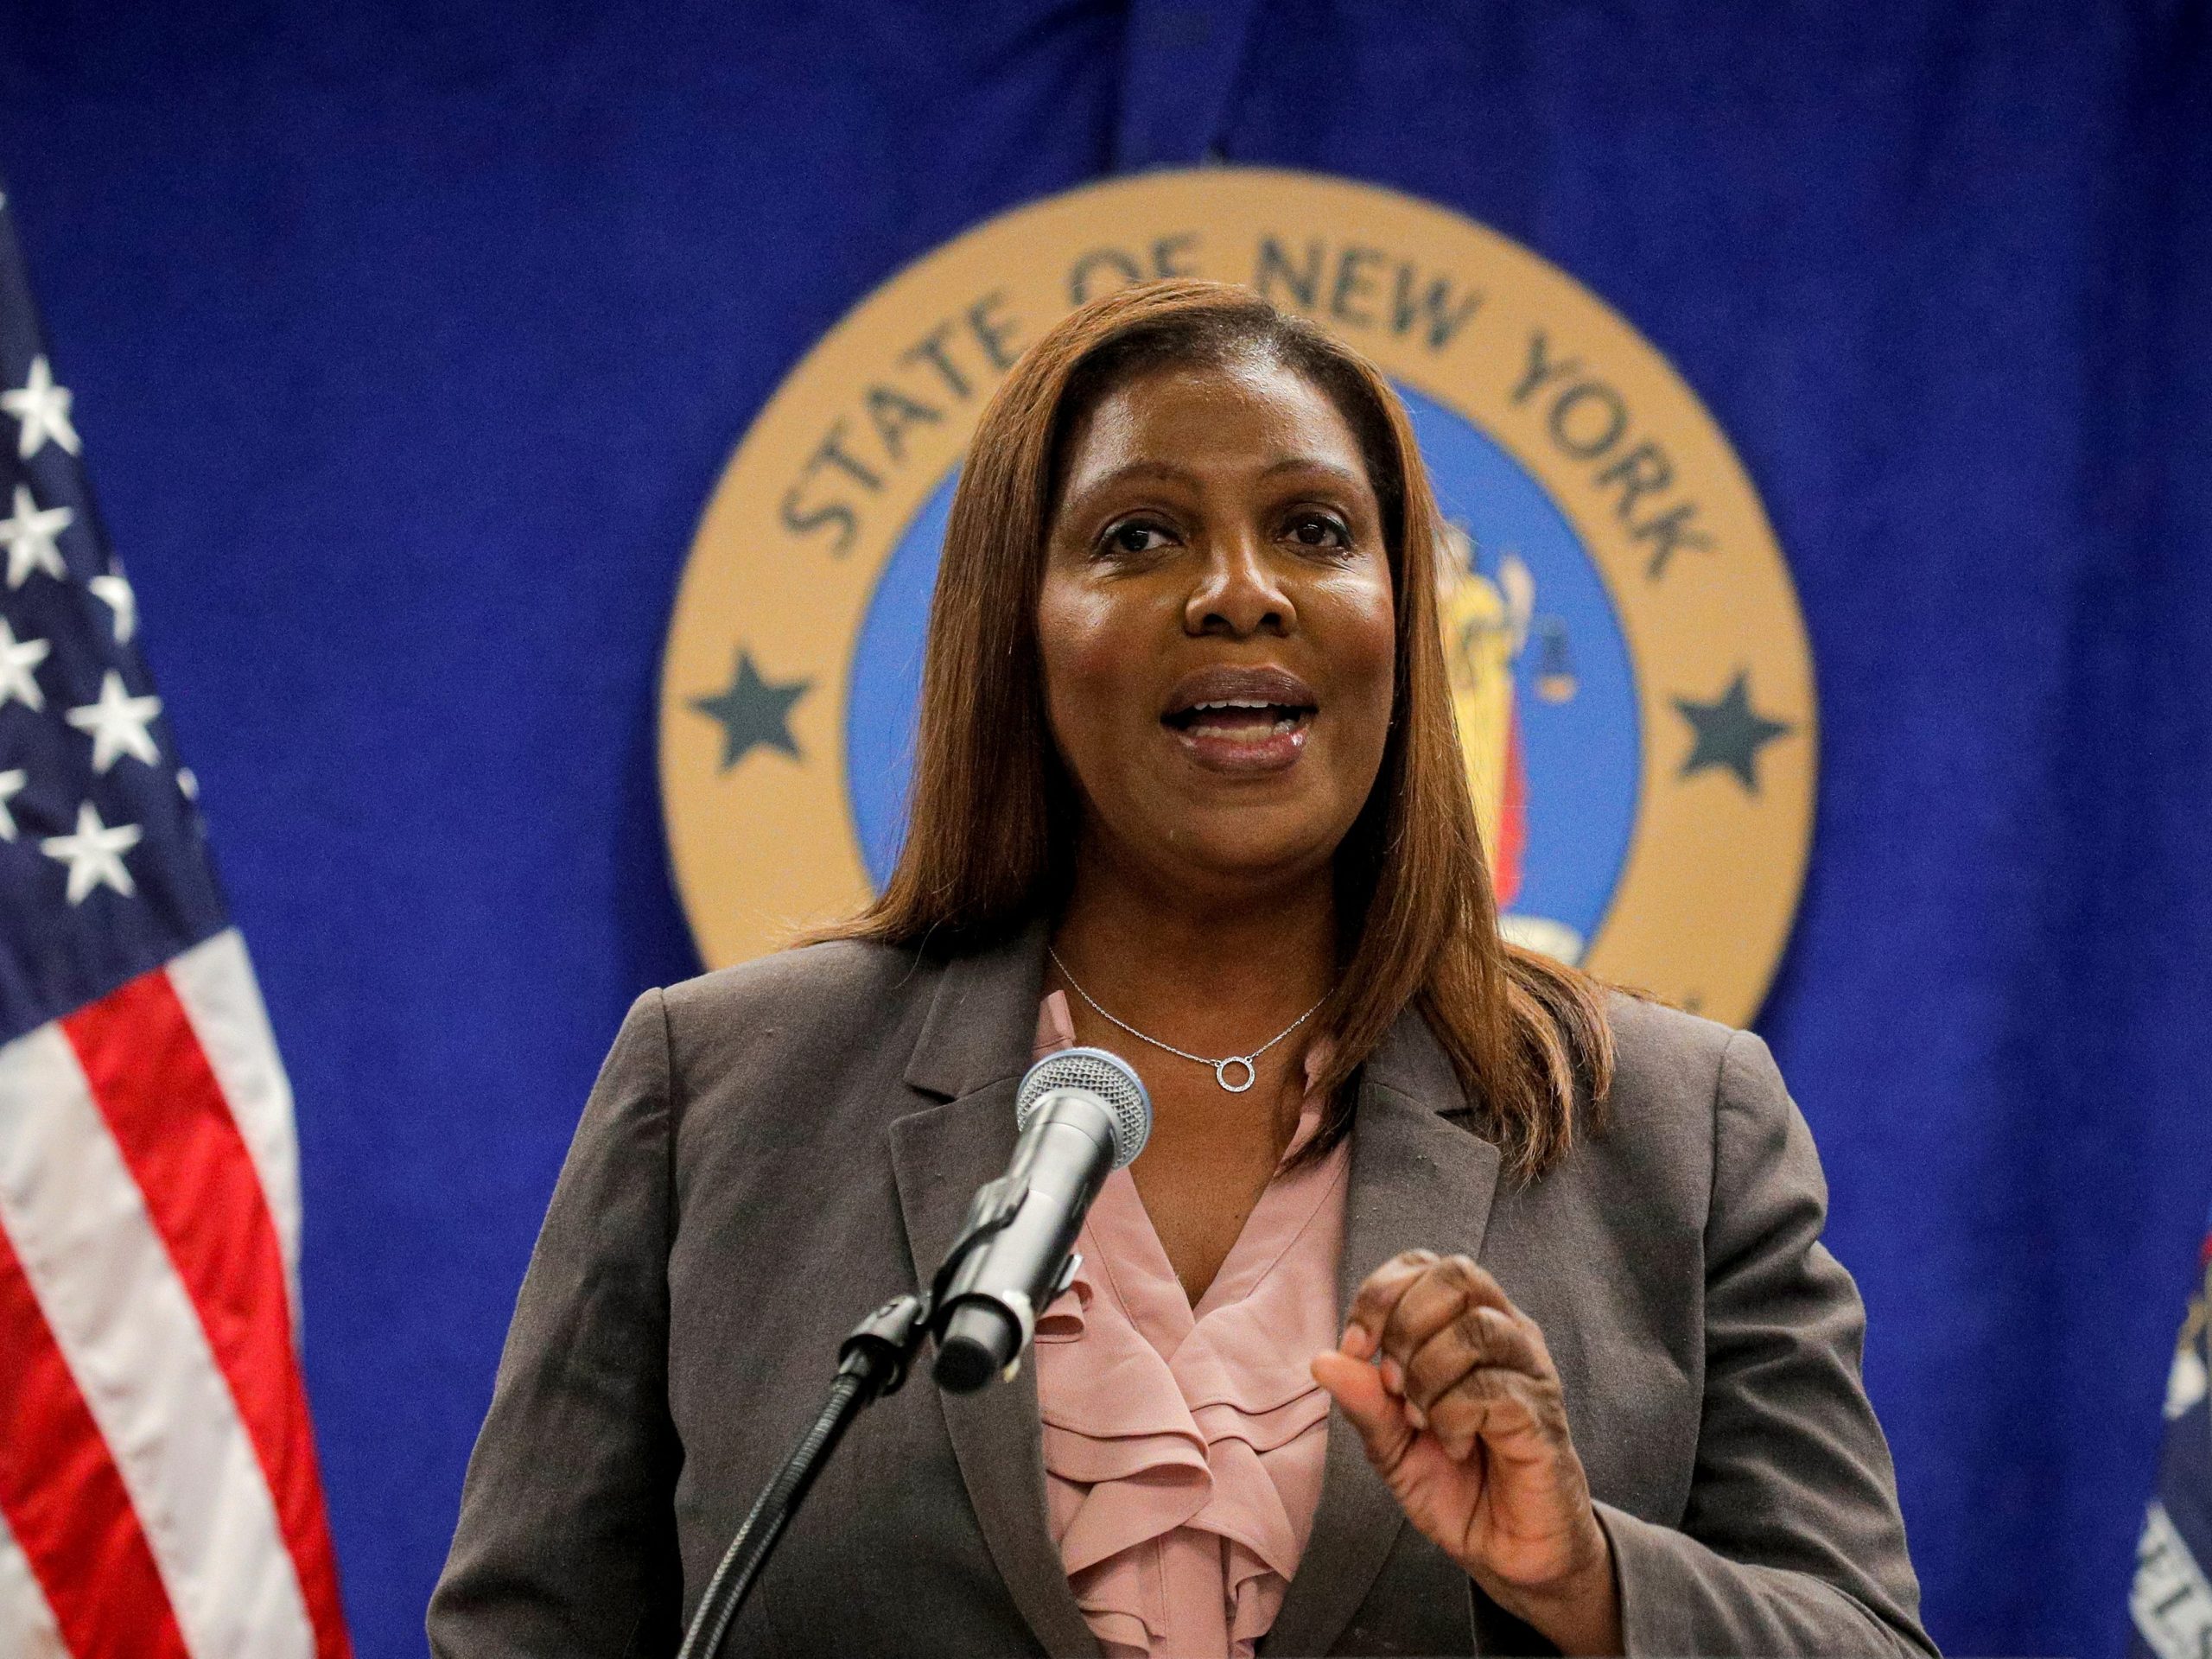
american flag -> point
(2172, 1600)
(158, 1490)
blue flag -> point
(2172, 1600)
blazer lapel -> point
(1420, 1180)
(975, 1046)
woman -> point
(1188, 788)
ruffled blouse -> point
(1184, 1447)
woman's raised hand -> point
(1459, 1407)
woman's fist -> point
(1457, 1402)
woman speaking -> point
(1457, 1304)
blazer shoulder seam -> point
(671, 1110)
(1713, 1129)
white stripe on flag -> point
(215, 983)
(126, 1325)
(27, 1627)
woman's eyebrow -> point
(1311, 464)
(1166, 470)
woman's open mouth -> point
(1241, 719)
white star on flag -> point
(112, 589)
(29, 536)
(17, 658)
(116, 724)
(43, 409)
(12, 784)
(94, 854)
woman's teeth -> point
(1242, 734)
(1236, 717)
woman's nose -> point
(1239, 592)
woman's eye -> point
(1135, 537)
(1318, 529)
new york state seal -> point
(1630, 668)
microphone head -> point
(1108, 1078)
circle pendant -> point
(1221, 1073)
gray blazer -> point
(772, 1150)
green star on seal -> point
(752, 712)
(1729, 733)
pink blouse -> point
(1184, 1447)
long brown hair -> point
(991, 831)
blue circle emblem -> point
(1629, 672)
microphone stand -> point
(873, 1362)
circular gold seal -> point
(1633, 685)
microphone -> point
(1082, 1114)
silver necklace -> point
(1220, 1067)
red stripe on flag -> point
(176, 1132)
(66, 1502)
